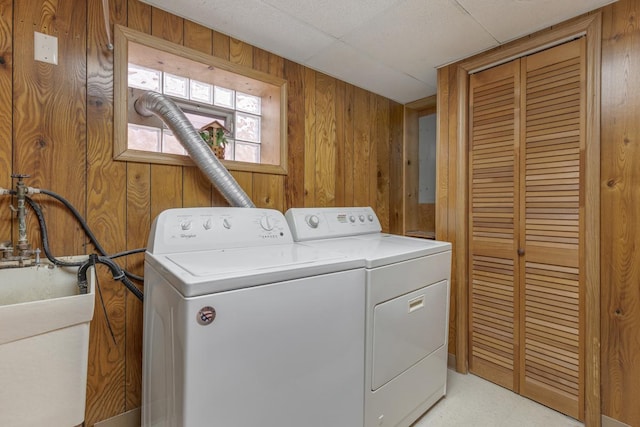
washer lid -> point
(205, 272)
(380, 249)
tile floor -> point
(472, 401)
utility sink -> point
(44, 342)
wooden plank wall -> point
(56, 123)
(620, 206)
(620, 212)
(445, 211)
(6, 106)
(426, 217)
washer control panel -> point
(201, 229)
(322, 223)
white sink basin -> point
(44, 341)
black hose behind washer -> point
(117, 272)
(90, 234)
(45, 236)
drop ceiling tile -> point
(253, 22)
(511, 19)
(417, 35)
(342, 61)
(334, 17)
(390, 47)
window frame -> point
(271, 89)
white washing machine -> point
(243, 327)
(407, 309)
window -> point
(251, 105)
(239, 112)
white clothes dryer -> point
(243, 327)
(407, 308)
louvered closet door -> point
(552, 338)
(494, 118)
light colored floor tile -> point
(472, 401)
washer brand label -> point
(206, 315)
(187, 236)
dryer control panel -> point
(323, 223)
(201, 229)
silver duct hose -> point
(151, 103)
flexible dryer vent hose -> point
(155, 103)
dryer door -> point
(406, 330)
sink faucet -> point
(20, 255)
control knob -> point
(313, 221)
(370, 217)
(266, 223)
(226, 223)
(185, 225)
(361, 218)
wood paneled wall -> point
(620, 212)
(56, 123)
(619, 206)
(446, 203)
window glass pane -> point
(170, 143)
(202, 92)
(176, 85)
(143, 138)
(248, 103)
(247, 152)
(200, 120)
(229, 150)
(223, 97)
(144, 78)
(247, 127)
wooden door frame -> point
(589, 26)
(412, 113)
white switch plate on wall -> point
(45, 48)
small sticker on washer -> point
(206, 315)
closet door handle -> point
(520, 251)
